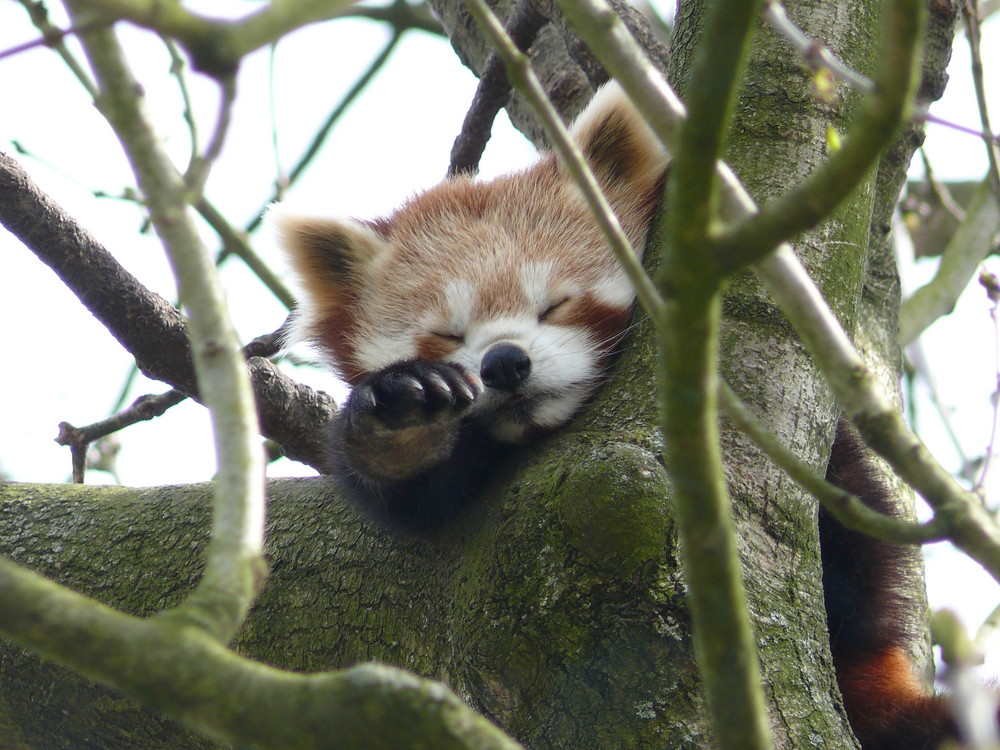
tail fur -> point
(868, 607)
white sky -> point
(394, 142)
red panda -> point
(477, 315)
(480, 315)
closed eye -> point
(453, 338)
(551, 309)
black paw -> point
(414, 393)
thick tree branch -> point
(145, 324)
(184, 672)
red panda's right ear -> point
(331, 258)
(626, 156)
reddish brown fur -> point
(606, 323)
(394, 269)
(433, 347)
(888, 705)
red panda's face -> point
(537, 340)
(510, 279)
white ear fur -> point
(616, 139)
(329, 248)
(331, 258)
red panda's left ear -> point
(626, 156)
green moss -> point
(613, 507)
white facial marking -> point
(460, 298)
(615, 290)
(535, 282)
(564, 372)
(376, 352)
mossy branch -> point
(874, 127)
(235, 565)
(183, 671)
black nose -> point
(505, 367)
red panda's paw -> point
(413, 394)
(403, 420)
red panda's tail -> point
(872, 616)
(889, 708)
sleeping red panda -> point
(480, 315)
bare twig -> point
(401, 15)
(972, 20)
(39, 14)
(939, 190)
(52, 37)
(923, 368)
(231, 240)
(235, 243)
(197, 172)
(177, 67)
(142, 409)
(493, 91)
(148, 407)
